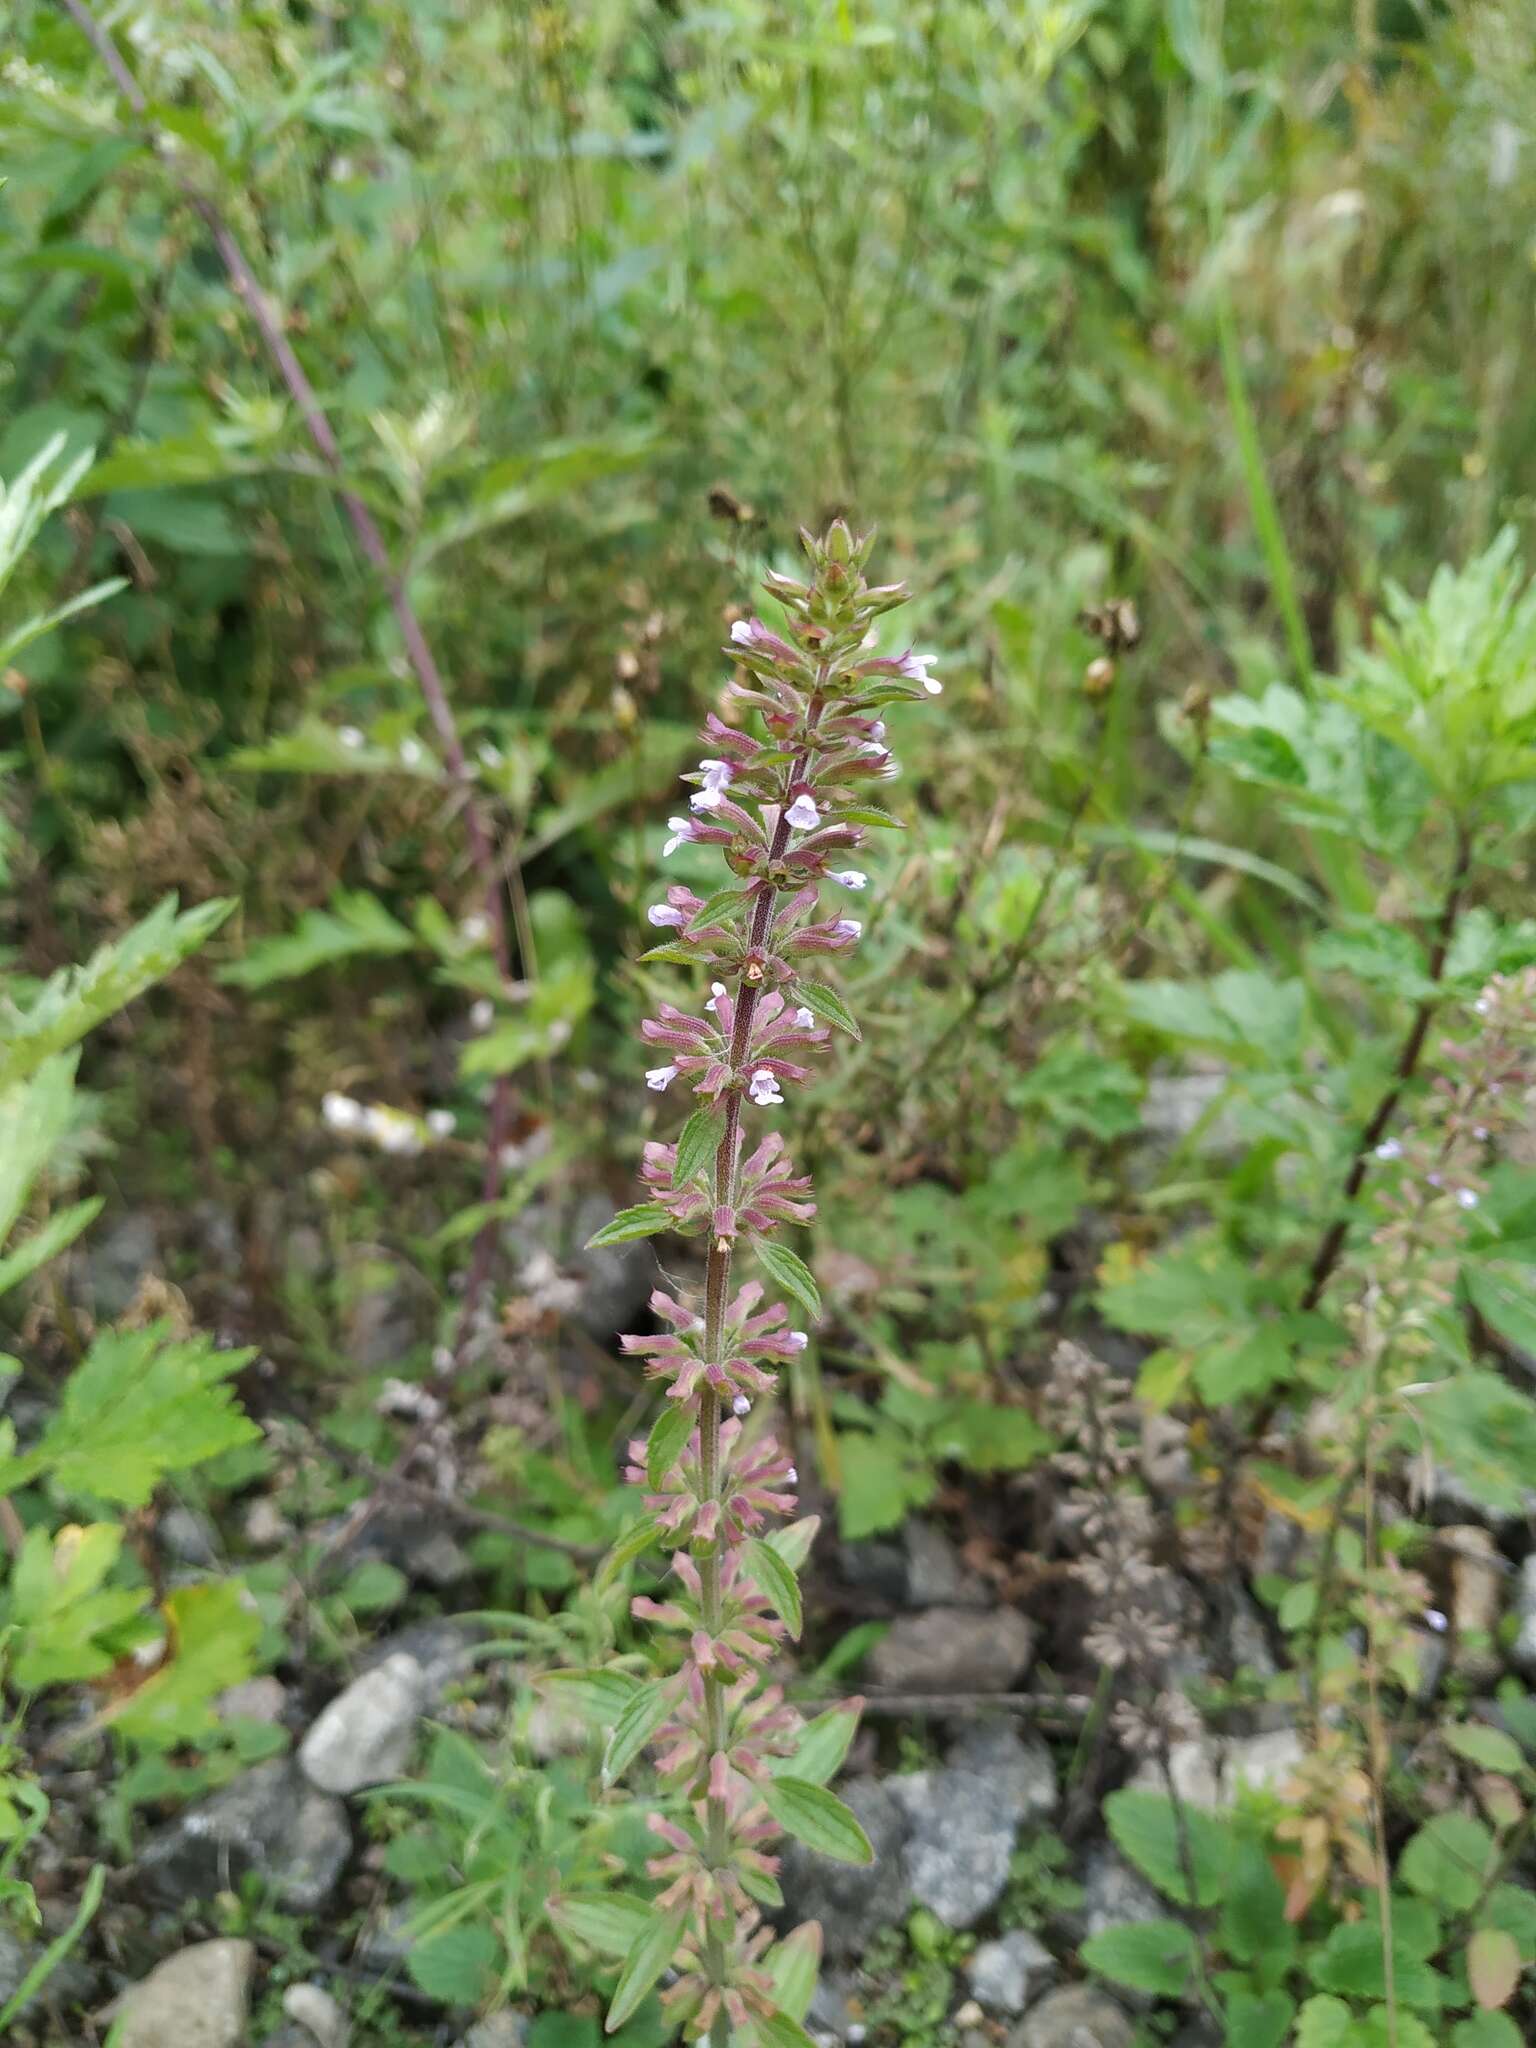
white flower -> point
(743, 632)
(915, 668)
(877, 730)
(491, 757)
(1482, 1006)
(717, 774)
(341, 1112)
(1434, 1619)
(1466, 1198)
(1389, 1148)
(442, 1123)
(848, 927)
(764, 1088)
(412, 753)
(482, 1014)
(795, 1340)
(475, 929)
(872, 750)
(661, 914)
(716, 991)
(794, 1479)
(681, 830)
(706, 799)
(392, 1132)
(741, 1405)
(803, 815)
(849, 878)
(660, 1078)
(805, 1018)
(350, 737)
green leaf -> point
(1149, 1955)
(793, 1541)
(713, 908)
(1493, 1967)
(673, 1427)
(636, 1540)
(1152, 1833)
(1260, 2019)
(652, 1952)
(791, 1273)
(1324, 2022)
(1253, 1920)
(1513, 1908)
(780, 2031)
(1353, 1962)
(61, 1229)
(1489, 1748)
(1447, 1861)
(34, 1117)
(884, 1476)
(777, 1582)
(598, 1696)
(1486, 2030)
(141, 1404)
(823, 1744)
(77, 999)
(869, 814)
(792, 1965)
(610, 1922)
(816, 1817)
(1485, 1430)
(645, 1219)
(211, 1638)
(670, 951)
(356, 923)
(1242, 1012)
(697, 1144)
(635, 1727)
(454, 1964)
(829, 1006)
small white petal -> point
(848, 927)
(412, 753)
(341, 1112)
(933, 686)
(350, 737)
(1466, 1198)
(662, 914)
(796, 1340)
(849, 878)
(475, 929)
(803, 814)
(1389, 1148)
(482, 1014)
(716, 991)
(1434, 1619)
(442, 1123)
(660, 1078)
(805, 1018)
(741, 1405)
(741, 633)
(706, 799)
(794, 1479)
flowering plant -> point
(785, 811)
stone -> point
(1477, 1595)
(1076, 2016)
(270, 1821)
(198, 1998)
(615, 1279)
(389, 1314)
(1115, 1895)
(935, 1576)
(502, 2029)
(1007, 1973)
(1522, 1652)
(312, 2007)
(852, 1901)
(1019, 1769)
(876, 1568)
(1209, 1771)
(959, 1845)
(828, 2016)
(116, 1262)
(187, 1537)
(444, 1648)
(254, 1699)
(364, 1737)
(954, 1649)
(414, 1542)
(265, 1524)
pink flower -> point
(663, 914)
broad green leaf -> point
(645, 1219)
(1487, 2030)
(829, 1006)
(636, 1540)
(651, 1954)
(33, 1118)
(61, 1609)
(211, 1638)
(1448, 1860)
(780, 2031)
(610, 1922)
(1154, 1835)
(635, 1727)
(77, 999)
(1260, 2019)
(356, 923)
(714, 907)
(673, 1427)
(870, 814)
(793, 1541)
(1324, 2022)
(1253, 1922)
(791, 1273)
(814, 1816)
(792, 1965)
(697, 1144)
(823, 1744)
(598, 1696)
(1489, 1748)
(454, 1964)
(776, 1581)
(61, 1229)
(1353, 1962)
(1149, 1955)
(1493, 1967)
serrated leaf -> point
(777, 1582)
(669, 950)
(870, 814)
(610, 1922)
(1483, 2030)
(791, 1273)
(45, 1243)
(1149, 1955)
(1489, 1748)
(652, 1952)
(1447, 1861)
(829, 1006)
(644, 1219)
(1324, 2022)
(211, 1638)
(823, 1744)
(793, 1542)
(673, 1427)
(598, 1696)
(818, 1818)
(697, 1144)
(1154, 1835)
(1260, 2019)
(355, 924)
(635, 1727)
(454, 1964)
(1493, 1967)
(713, 908)
(636, 1540)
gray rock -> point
(1076, 2016)
(499, 2030)
(391, 1318)
(1477, 1594)
(1004, 1975)
(1523, 1650)
(254, 1699)
(935, 1575)
(116, 1261)
(615, 1280)
(72, 1983)
(1209, 1771)
(852, 1901)
(1115, 1895)
(876, 1568)
(289, 2037)
(198, 1998)
(312, 2007)
(364, 1737)
(414, 1542)
(954, 1649)
(269, 1821)
(189, 1538)
(444, 1648)
(960, 1843)
(828, 2017)
(1018, 1768)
